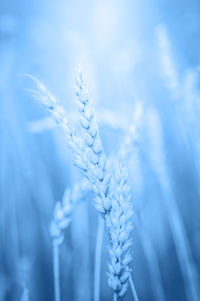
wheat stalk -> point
(89, 154)
(91, 159)
(116, 209)
(120, 208)
(25, 295)
(61, 219)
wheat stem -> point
(152, 260)
(115, 297)
(184, 255)
(56, 270)
(97, 268)
(25, 296)
(132, 285)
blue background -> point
(141, 60)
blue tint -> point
(65, 231)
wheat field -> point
(99, 150)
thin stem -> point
(184, 256)
(152, 259)
(182, 245)
(135, 297)
(56, 270)
(97, 268)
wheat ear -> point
(61, 219)
(120, 227)
(93, 160)
(63, 211)
(117, 210)
(46, 98)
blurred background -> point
(142, 65)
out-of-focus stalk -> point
(25, 295)
(152, 260)
(180, 239)
(133, 290)
(97, 267)
(56, 269)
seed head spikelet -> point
(120, 227)
(63, 211)
(61, 218)
(46, 98)
(92, 156)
